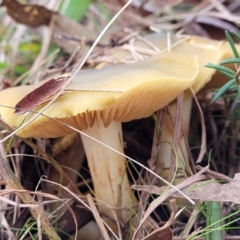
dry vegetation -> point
(46, 186)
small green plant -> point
(213, 218)
(234, 76)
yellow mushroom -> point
(114, 94)
(207, 51)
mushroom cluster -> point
(131, 91)
(97, 101)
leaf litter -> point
(196, 184)
(215, 187)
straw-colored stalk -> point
(166, 146)
(108, 170)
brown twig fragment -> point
(214, 175)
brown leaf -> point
(29, 14)
(40, 95)
(210, 190)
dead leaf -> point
(40, 95)
(210, 190)
(32, 15)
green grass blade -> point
(237, 36)
(75, 9)
(223, 226)
(226, 71)
(230, 61)
(232, 45)
(223, 89)
(213, 217)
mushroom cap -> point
(145, 87)
(207, 50)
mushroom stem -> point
(108, 169)
(166, 139)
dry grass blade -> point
(5, 225)
(220, 7)
(176, 134)
(39, 220)
(203, 238)
(58, 168)
(47, 33)
(233, 5)
(204, 135)
(12, 183)
(46, 157)
(215, 175)
(232, 18)
(159, 233)
(82, 202)
(23, 191)
(191, 221)
(31, 72)
(98, 218)
(153, 189)
(19, 205)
